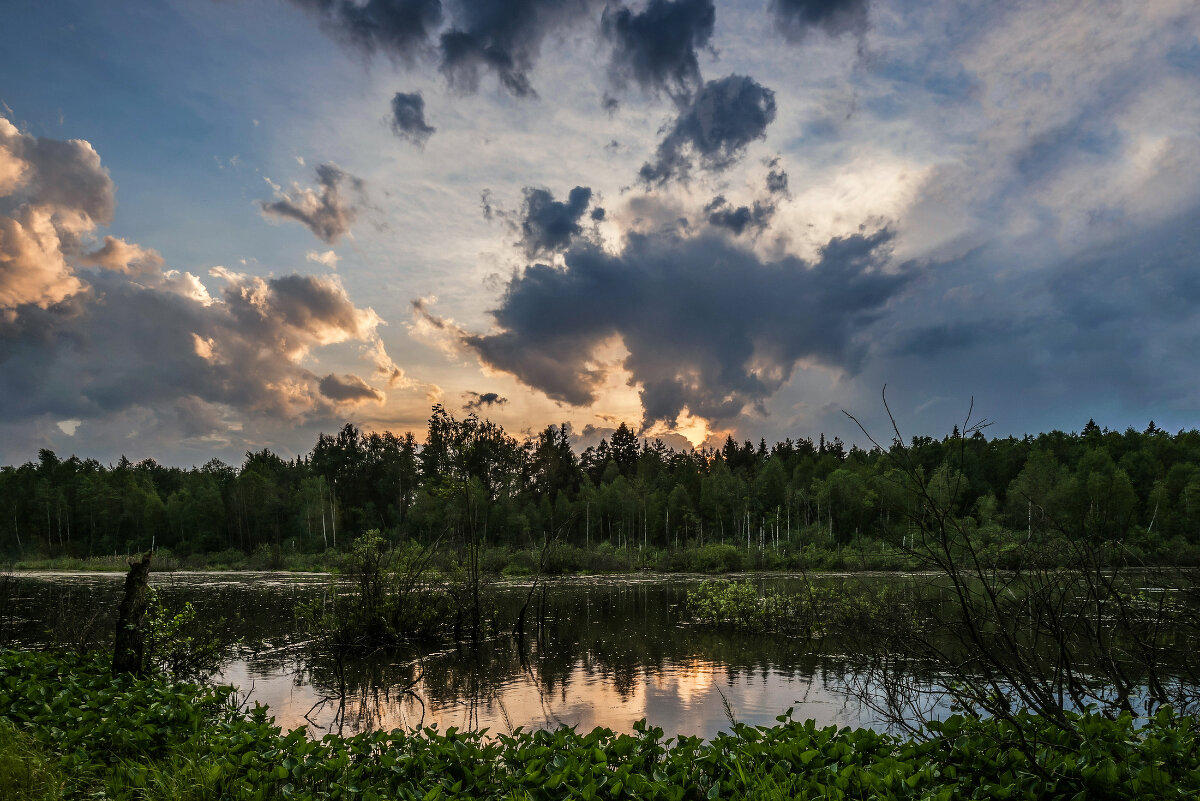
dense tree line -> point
(470, 479)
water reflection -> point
(610, 651)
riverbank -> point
(561, 559)
(864, 555)
(69, 730)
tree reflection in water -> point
(606, 653)
(609, 650)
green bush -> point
(718, 558)
(520, 563)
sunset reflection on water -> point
(612, 650)
(685, 697)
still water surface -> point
(614, 650)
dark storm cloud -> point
(147, 346)
(122, 344)
(327, 213)
(796, 18)
(722, 215)
(708, 325)
(503, 37)
(548, 225)
(468, 37)
(348, 388)
(723, 118)
(931, 341)
(656, 47)
(1120, 307)
(399, 28)
(408, 118)
(1097, 334)
(477, 400)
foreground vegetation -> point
(68, 729)
(624, 504)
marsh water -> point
(612, 650)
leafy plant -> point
(179, 644)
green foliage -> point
(718, 558)
(179, 644)
(812, 611)
(798, 503)
(739, 605)
(395, 599)
(93, 736)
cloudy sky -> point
(231, 225)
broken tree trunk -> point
(129, 650)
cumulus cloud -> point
(348, 388)
(723, 118)
(740, 219)
(146, 346)
(52, 193)
(133, 335)
(474, 401)
(796, 18)
(327, 258)
(656, 47)
(408, 118)
(709, 326)
(548, 225)
(295, 313)
(64, 175)
(33, 269)
(123, 257)
(325, 212)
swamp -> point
(1058, 661)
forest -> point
(472, 479)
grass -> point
(29, 770)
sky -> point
(232, 225)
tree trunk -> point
(129, 649)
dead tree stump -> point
(129, 651)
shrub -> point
(718, 558)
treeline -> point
(473, 480)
